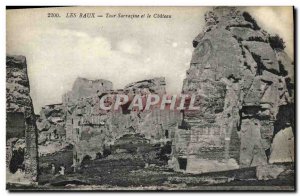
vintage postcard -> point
(150, 99)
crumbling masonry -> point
(21, 132)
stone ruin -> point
(244, 81)
(80, 124)
(92, 130)
(21, 131)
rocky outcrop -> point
(155, 85)
(273, 171)
(244, 81)
(51, 124)
(21, 145)
(283, 147)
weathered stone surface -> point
(155, 85)
(244, 89)
(51, 124)
(93, 131)
(247, 34)
(252, 152)
(269, 172)
(264, 55)
(198, 165)
(282, 149)
(287, 68)
(83, 88)
(52, 111)
(19, 109)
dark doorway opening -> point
(182, 163)
(86, 160)
(166, 133)
(16, 161)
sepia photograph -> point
(106, 98)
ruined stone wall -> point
(243, 78)
(18, 103)
(83, 88)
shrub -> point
(276, 42)
(249, 18)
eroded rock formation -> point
(244, 82)
(21, 136)
(51, 128)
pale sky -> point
(58, 50)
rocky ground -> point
(156, 178)
(131, 174)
